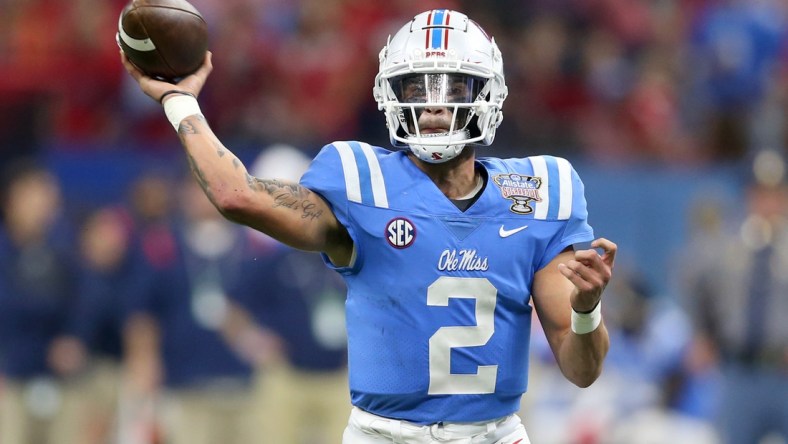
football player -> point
(444, 253)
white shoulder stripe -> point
(540, 170)
(565, 180)
(376, 177)
(349, 167)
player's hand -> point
(590, 272)
(155, 88)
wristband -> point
(180, 107)
(583, 323)
(174, 91)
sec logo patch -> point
(400, 233)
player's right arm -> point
(284, 210)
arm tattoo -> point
(187, 127)
(221, 151)
(287, 195)
(251, 182)
(200, 176)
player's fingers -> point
(574, 277)
(592, 259)
(605, 244)
(206, 67)
(195, 81)
(130, 68)
(610, 249)
(587, 256)
(585, 278)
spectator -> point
(292, 293)
(91, 346)
(734, 47)
(174, 331)
(738, 306)
(36, 292)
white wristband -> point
(583, 323)
(180, 107)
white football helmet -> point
(441, 60)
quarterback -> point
(445, 254)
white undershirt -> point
(475, 190)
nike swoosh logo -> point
(506, 233)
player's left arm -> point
(575, 280)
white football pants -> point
(366, 428)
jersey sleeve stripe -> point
(376, 177)
(553, 187)
(565, 178)
(350, 170)
(363, 175)
(365, 180)
(540, 170)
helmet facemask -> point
(449, 101)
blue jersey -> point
(438, 313)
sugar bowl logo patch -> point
(520, 189)
(400, 232)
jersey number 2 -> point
(442, 380)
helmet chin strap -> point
(441, 148)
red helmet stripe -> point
(446, 32)
(427, 31)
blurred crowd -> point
(154, 320)
(668, 81)
(144, 318)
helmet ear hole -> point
(401, 132)
(473, 127)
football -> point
(165, 39)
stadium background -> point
(660, 105)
